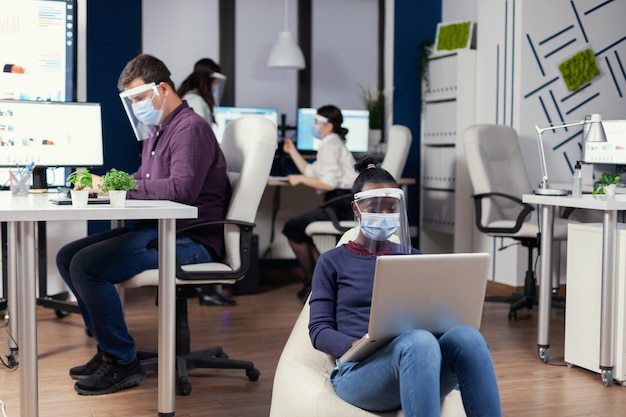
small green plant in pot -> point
(117, 183)
(606, 179)
(79, 179)
(117, 180)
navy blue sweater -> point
(341, 299)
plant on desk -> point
(117, 183)
(606, 184)
(82, 182)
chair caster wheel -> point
(607, 377)
(253, 374)
(512, 315)
(60, 313)
(184, 388)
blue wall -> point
(415, 23)
(113, 39)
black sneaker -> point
(83, 371)
(303, 294)
(111, 377)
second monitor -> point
(224, 115)
(356, 121)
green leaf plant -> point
(79, 179)
(606, 179)
(117, 180)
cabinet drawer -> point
(438, 210)
(442, 73)
(439, 124)
(439, 167)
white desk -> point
(22, 213)
(609, 229)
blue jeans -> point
(417, 370)
(92, 265)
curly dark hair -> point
(370, 173)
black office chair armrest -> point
(329, 208)
(245, 244)
(525, 210)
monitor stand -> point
(40, 178)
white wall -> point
(181, 32)
(344, 50)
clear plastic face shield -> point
(139, 105)
(217, 89)
(383, 222)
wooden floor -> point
(256, 330)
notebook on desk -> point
(62, 200)
(431, 292)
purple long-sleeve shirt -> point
(341, 299)
(184, 163)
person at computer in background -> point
(332, 173)
(201, 88)
(180, 161)
(201, 92)
(417, 369)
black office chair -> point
(248, 144)
(499, 179)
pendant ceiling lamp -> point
(286, 53)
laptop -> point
(431, 292)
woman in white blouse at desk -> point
(331, 173)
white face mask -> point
(379, 226)
(145, 112)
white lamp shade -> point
(286, 53)
(596, 132)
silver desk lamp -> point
(595, 133)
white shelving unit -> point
(446, 207)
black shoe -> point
(215, 299)
(86, 370)
(111, 377)
(303, 294)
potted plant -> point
(374, 101)
(606, 184)
(116, 183)
(82, 181)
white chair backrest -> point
(248, 144)
(398, 144)
(495, 164)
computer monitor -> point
(224, 115)
(50, 134)
(356, 121)
(38, 59)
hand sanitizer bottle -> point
(577, 186)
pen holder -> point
(19, 181)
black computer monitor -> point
(50, 134)
(38, 58)
(356, 121)
(224, 115)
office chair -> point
(248, 144)
(398, 145)
(499, 179)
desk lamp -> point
(595, 133)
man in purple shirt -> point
(181, 161)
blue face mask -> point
(315, 129)
(379, 226)
(145, 112)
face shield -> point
(139, 107)
(217, 89)
(383, 223)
